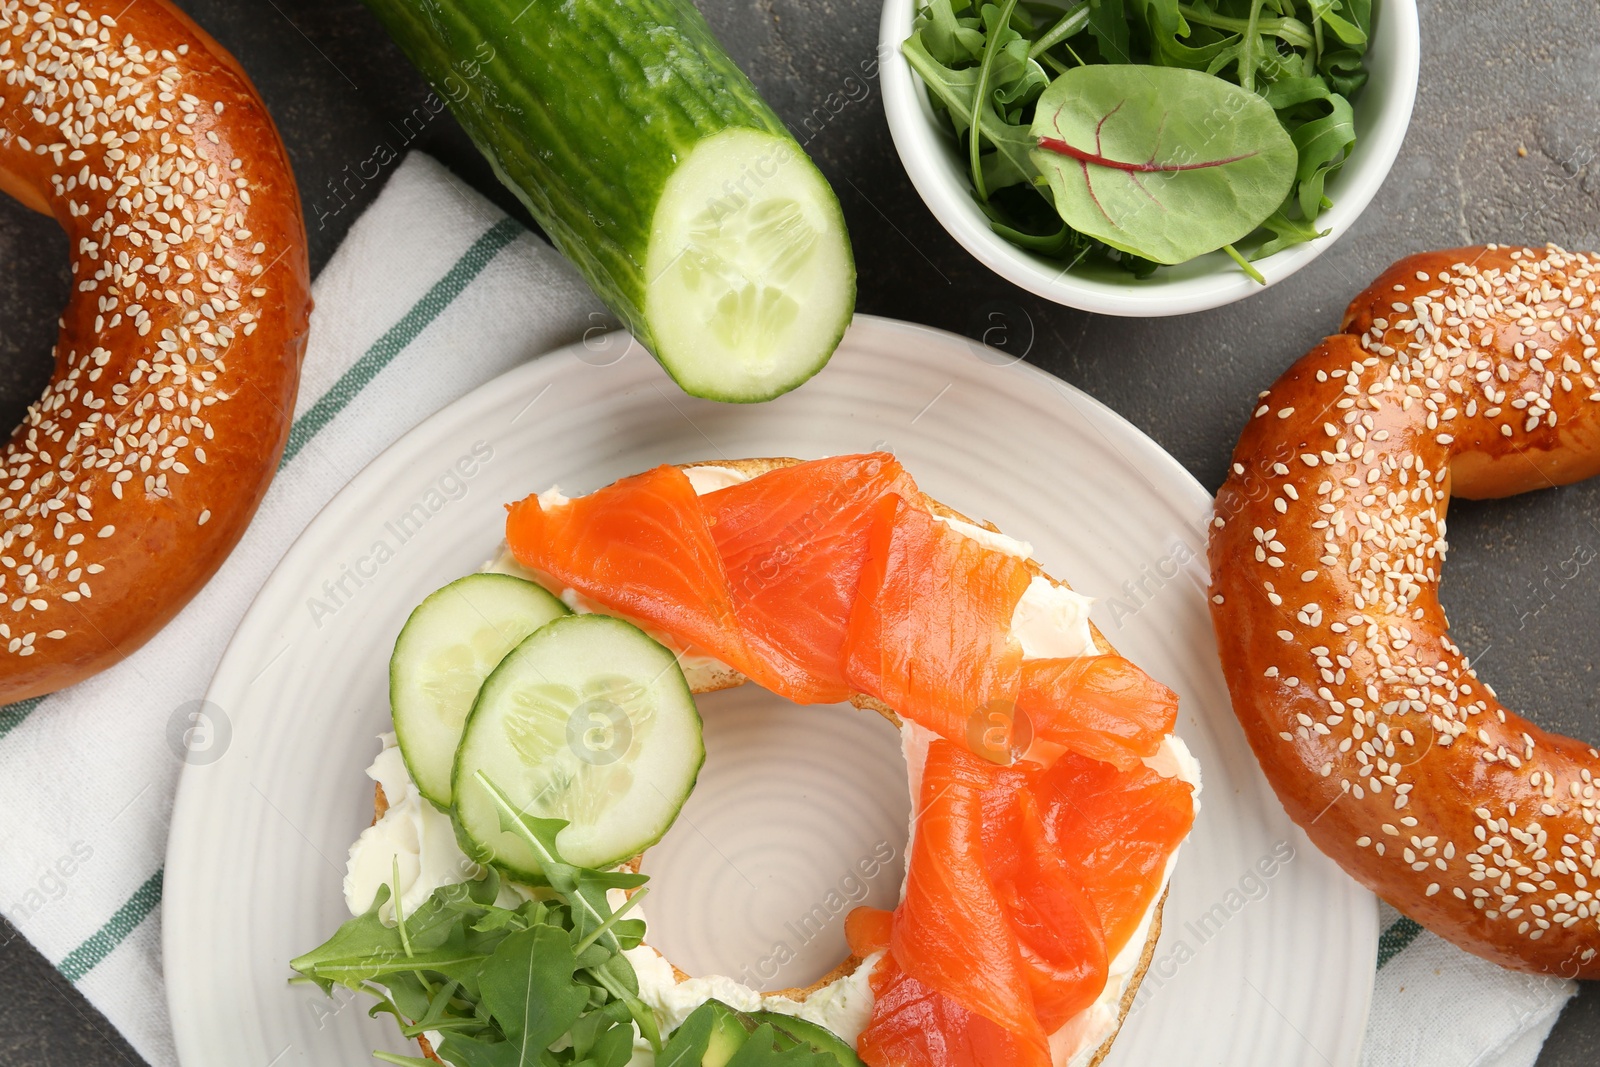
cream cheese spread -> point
(412, 840)
(999, 542)
(843, 1006)
(708, 478)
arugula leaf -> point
(1162, 16)
(1344, 70)
(688, 1044)
(1108, 25)
(951, 40)
(1010, 162)
(1288, 93)
(356, 941)
(762, 1049)
(1287, 232)
(503, 985)
(998, 22)
(754, 1043)
(1014, 77)
(507, 986)
(583, 889)
(1163, 163)
(1326, 12)
(528, 988)
(464, 1051)
(1323, 145)
(1068, 25)
(603, 1038)
(1291, 31)
(585, 892)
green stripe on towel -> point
(401, 334)
(1394, 940)
(81, 960)
(11, 715)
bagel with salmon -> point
(1050, 793)
(1471, 372)
(130, 480)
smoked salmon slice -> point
(793, 542)
(1116, 828)
(1057, 927)
(951, 932)
(914, 1025)
(867, 930)
(641, 547)
(930, 633)
(1102, 707)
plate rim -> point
(184, 849)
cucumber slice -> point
(657, 169)
(715, 1035)
(727, 1037)
(444, 652)
(750, 280)
(804, 1032)
(588, 720)
(712, 1036)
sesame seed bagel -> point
(1471, 371)
(179, 353)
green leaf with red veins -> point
(1161, 162)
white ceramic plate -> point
(1268, 953)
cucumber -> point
(804, 1032)
(588, 720)
(727, 1036)
(444, 652)
(716, 1035)
(712, 1036)
(655, 166)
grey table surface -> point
(1501, 148)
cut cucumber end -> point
(449, 645)
(588, 720)
(750, 281)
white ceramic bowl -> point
(939, 171)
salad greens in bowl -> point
(1148, 157)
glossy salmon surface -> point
(793, 543)
(930, 634)
(1102, 707)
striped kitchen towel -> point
(1435, 1006)
(433, 293)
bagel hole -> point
(34, 289)
(1519, 588)
(800, 815)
